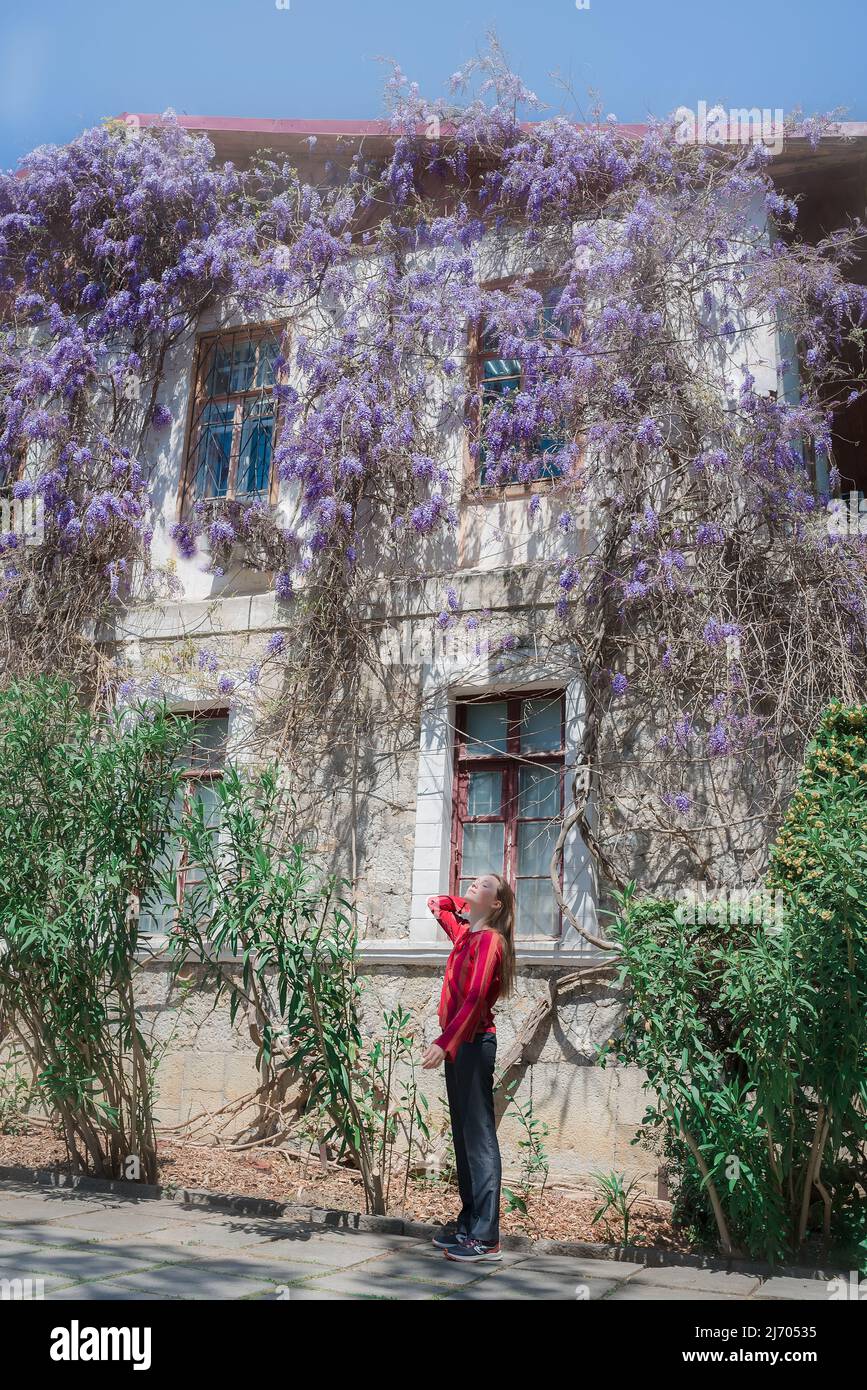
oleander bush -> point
(754, 1034)
(85, 812)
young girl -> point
(480, 969)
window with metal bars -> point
(498, 379)
(508, 800)
(231, 438)
(202, 760)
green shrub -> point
(85, 805)
(278, 941)
(754, 1035)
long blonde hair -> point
(503, 921)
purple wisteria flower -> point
(718, 741)
(184, 538)
(221, 532)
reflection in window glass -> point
(487, 726)
(482, 849)
(540, 725)
(484, 793)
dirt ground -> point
(557, 1214)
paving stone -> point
(86, 1293)
(302, 1295)
(312, 1254)
(657, 1293)
(34, 1209)
(376, 1240)
(247, 1266)
(16, 1249)
(103, 1225)
(144, 1251)
(35, 1286)
(704, 1280)
(780, 1286)
(69, 1264)
(38, 1233)
(434, 1269)
(361, 1281)
(505, 1286)
(313, 1250)
(617, 1270)
(193, 1281)
(180, 1235)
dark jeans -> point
(470, 1089)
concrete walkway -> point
(61, 1245)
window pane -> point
(207, 746)
(206, 795)
(536, 908)
(500, 376)
(159, 909)
(484, 793)
(487, 726)
(482, 849)
(254, 462)
(214, 450)
(540, 725)
(159, 916)
(538, 793)
(243, 365)
(269, 349)
(218, 369)
(536, 842)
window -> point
(509, 800)
(497, 379)
(232, 432)
(202, 761)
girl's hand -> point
(434, 1057)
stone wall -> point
(591, 1113)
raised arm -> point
(448, 912)
(466, 1020)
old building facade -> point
(470, 744)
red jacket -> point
(472, 980)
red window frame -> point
(469, 759)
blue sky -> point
(64, 66)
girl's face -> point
(483, 895)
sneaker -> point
(447, 1235)
(474, 1251)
